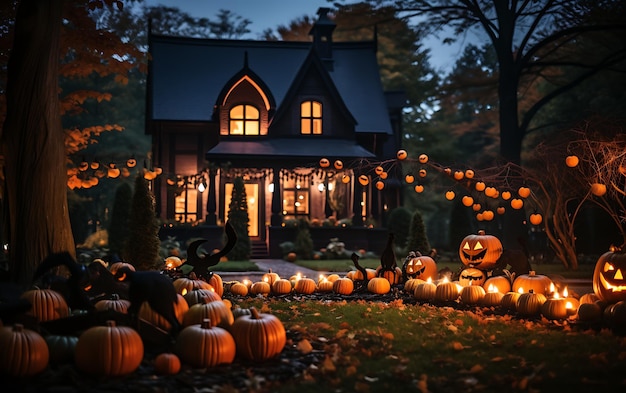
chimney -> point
(322, 32)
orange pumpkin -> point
(501, 283)
(270, 277)
(324, 163)
(472, 276)
(218, 314)
(204, 345)
(343, 286)
(109, 350)
(421, 266)
(260, 288)
(259, 336)
(609, 282)
(472, 294)
(446, 291)
(47, 304)
(239, 289)
(338, 165)
(217, 283)
(529, 303)
(379, 285)
(423, 158)
(402, 154)
(201, 296)
(117, 265)
(183, 285)
(598, 189)
(114, 304)
(305, 286)
(481, 251)
(281, 286)
(532, 281)
(425, 291)
(571, 161)
(167, 364)
(24, 352)
(180, 308)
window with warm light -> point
(186, 204)
(311, 118)
(244, 120)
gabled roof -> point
(187, 75)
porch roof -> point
(287, 148)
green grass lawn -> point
(342, 265)
(371, 346)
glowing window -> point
(244, 120)
(311, 118)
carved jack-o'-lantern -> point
(481, 251)
(324, 162)
(609, 281)
(421, 266)
(472, 276)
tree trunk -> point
(511, 136)
(33, 143)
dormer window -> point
(244, 120)
(311, 118)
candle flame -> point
(445, 279)
(556, 295)
(565, 293)
(266, 279)
(569, 305)
(551, 287)
(183, 292)
(520, 290)
(492, 288)
(429, 280)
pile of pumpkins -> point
(213, 333)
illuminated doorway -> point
(252, 194)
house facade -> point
(273, 113)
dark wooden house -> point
(269, 111)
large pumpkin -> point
(258, 336)
(609, 282)
(538, 283)
(24, 352)
(422, 267)
(154, 318)
(109, 350)
(204, 345)
(481, 251)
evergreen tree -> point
(238, 218)
(118, 227)
(418, 241)
(142, 248)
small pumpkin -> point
(270, 277)
(411, 283)
(109, 350)
(481, 251)
(379, 285)
(509, 301)
(61, 348)
(324, 286)
(167, 364)
(24, 352)
(402, 154)
(556, 307)
(180, 309)
(184, 285)
(538, 283)
(492, 298)
(588, 298)
(523, 192)
(172, 262)
(446, 291)
(259, 336)
(114, 267)
(589, 312)
(425, 291)
(571, 161)
(338, 164)
(203, 345)
(471, 276)
(343, 286)
(114, 304)
(423, 158)
(501, 283)
(201, 296)
(609, 280)
(517, 203)
(239, 289)
(260, 288)
(324, 163)
(217, 283)
(472, 294)
(305, 286)
(357, 275)
(218, 314)
(281, 287)
(47, 304)
(529, 303)
(394, 276)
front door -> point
(255, 205)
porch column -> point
(277, 208)
(357, 198)
(211, 204)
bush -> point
(417, 239)
(398, 223)
(304, 242)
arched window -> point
(311, 118)
(244, 120)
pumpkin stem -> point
(110, 323)
(254, 313)
(206, 323)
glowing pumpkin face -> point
(472, 276)
(480, 251)
(609, 277)
(421, 267)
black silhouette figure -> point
(202, 264)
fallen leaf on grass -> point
(328, 365)
(457, 346)
(304, 346)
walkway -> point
(283, 268)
